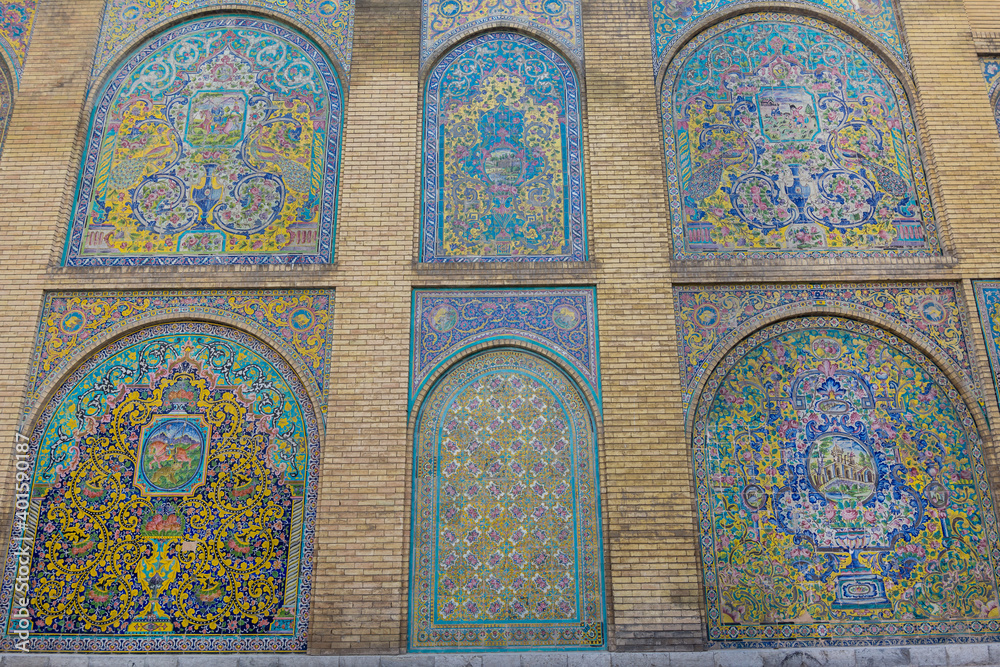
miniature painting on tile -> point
(216, 143)
(842, 494)
(126, 21)
(673, 21)
(15, 33)
(507, 533)
(991, 71)
(502, 169)
(787, 136)
(168, 501)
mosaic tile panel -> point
(988, 302)
(445, 20)
(331, 22)
(445, 322)
(712, 320)
(506, 536)
(168, 501)
(218, 142)
(6, 104)
(673, 21)
(15, 32)
(786, 136)
(297, 322)
(991, 71)
(502, 173)
(842, 495)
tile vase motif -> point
(218, 142)
(171, 502)
(786, 136)
(842, 495)
(502, 172)
(507, 532)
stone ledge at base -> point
(941, 655)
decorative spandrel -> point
(16, 24)
(171, 503)
(507, 547)
(502, 169)
(786, 136)
(675, 20)
(842, 494)
(991, 71)
(216, 143)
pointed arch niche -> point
(842, 494)
(786, 136)
(216, 142)
(170, 498)
(502, 165)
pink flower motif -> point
(849, 514)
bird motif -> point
(295, 175)
(705, 180)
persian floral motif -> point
(6, 104)
(15, 32)
(842, 494)
(712, 319)
(217, 142)
(988, 302)
(673, 21)
(448, 321)
(297, 322)
(991, 71)
(507, 546)
(125, 21)
(445, 20)
(502, 176)
(172, 499)
(786, 136)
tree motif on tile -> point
(503, 178)
(841, 493)
(171, 499)
(218, 142)
(785, 135)
(507, 544)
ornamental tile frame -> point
(222, 160)
(15, 34)
(675, 21)
(502, 169)
(781, 159)
(988, 305)
(712, 320)
(445, 22)
(126, 22)
(448, 322)
(842, 495)
(172, 500)
(298, 323)
(991, 72)
(506, 550)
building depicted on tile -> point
(500, 332)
